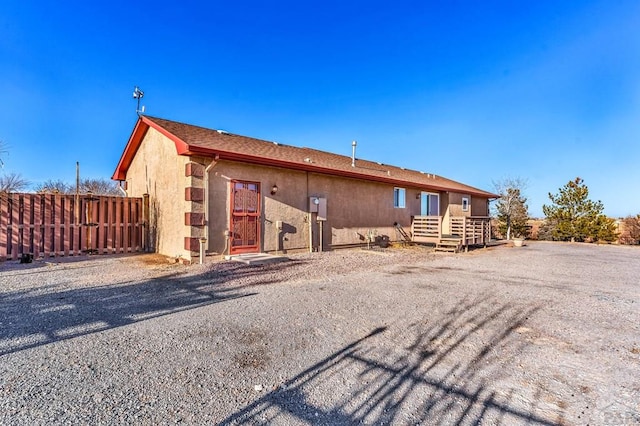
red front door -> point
(245, 217)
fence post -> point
(4, 225)
(145, 223)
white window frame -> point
(399, 198)
(465, 204)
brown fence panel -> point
(47, 225)
(76, 229)
(66, 220)
(15, 221)
(4, 223)
(126, 222)
(58, 243)
(26, 234)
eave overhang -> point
(183, 148)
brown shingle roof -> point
(195, 140)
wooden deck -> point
(463, 232)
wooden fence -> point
(46, 225)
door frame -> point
(424, 203)
(253, 216)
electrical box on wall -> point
(318, 205)
(322, 209)
(313, 204)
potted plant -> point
(518, 240)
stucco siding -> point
(157, 170)
(455, 205)
(453, 208)
(353, 207)
(479, 206)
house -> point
(246, 195)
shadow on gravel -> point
(42, 315)
(445, 372)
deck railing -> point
(474, 230)
(426, 229)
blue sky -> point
(474, 91)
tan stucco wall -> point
(455, 205)
(479, 206)
(353, 207)
(157, 170)
(453, 208)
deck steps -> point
(449, 245)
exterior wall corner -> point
(193, 194)
(194, 169)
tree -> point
(630, 230)
(605, 229)
(511, 208)
(12, 182)
(3, 151)
(576, 217)
(545, 231)
(95, 186)
(54, 187)
(100, 187)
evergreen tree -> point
(605, 229)
(576, 217)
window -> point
(465, 204)
(399, 198)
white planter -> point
(518, 242)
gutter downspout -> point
(206, 201)
(310, 217)
(124, 193)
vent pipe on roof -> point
(353, 153)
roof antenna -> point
(353, 153)
(138, 94)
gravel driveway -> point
(547, 334)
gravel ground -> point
(547, 334)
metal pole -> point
(203, 241)
(77, 206)
(310, 232)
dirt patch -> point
(254, 358)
